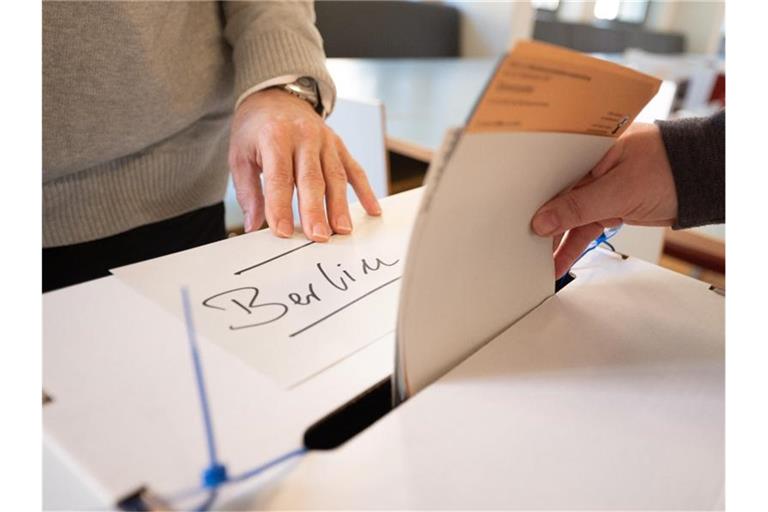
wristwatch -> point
(306, 88)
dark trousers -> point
(72, 264)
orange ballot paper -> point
(539, 87)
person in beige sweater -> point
(148, 105)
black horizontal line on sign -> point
(326, 317)
(273, 258)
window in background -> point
(546, 5)
(627, 11)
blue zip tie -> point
(215, 473)
(260, 469)
(606, 235)
(208, 502)
(189, 493)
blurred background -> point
(425, 62)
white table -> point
(422, 97)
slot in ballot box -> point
(609, 395)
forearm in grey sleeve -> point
(696, 151)
(272, 39)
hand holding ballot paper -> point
(547, 116)
(632, 184)
(540, 130)
(635, 182)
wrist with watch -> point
(307, 89)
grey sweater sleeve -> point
(272, 39)
(696, 151)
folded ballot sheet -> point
(474, 267)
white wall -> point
(578, 11)
(489, 28)
(700, 21)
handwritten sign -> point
(244, 299)
(290, 308)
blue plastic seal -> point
(214, 476)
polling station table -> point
(422, 97)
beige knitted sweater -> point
(137, 100)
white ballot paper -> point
(289, 307)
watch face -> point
(306, 81)
(306, 88)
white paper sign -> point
(290, 307)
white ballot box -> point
(609, 395)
